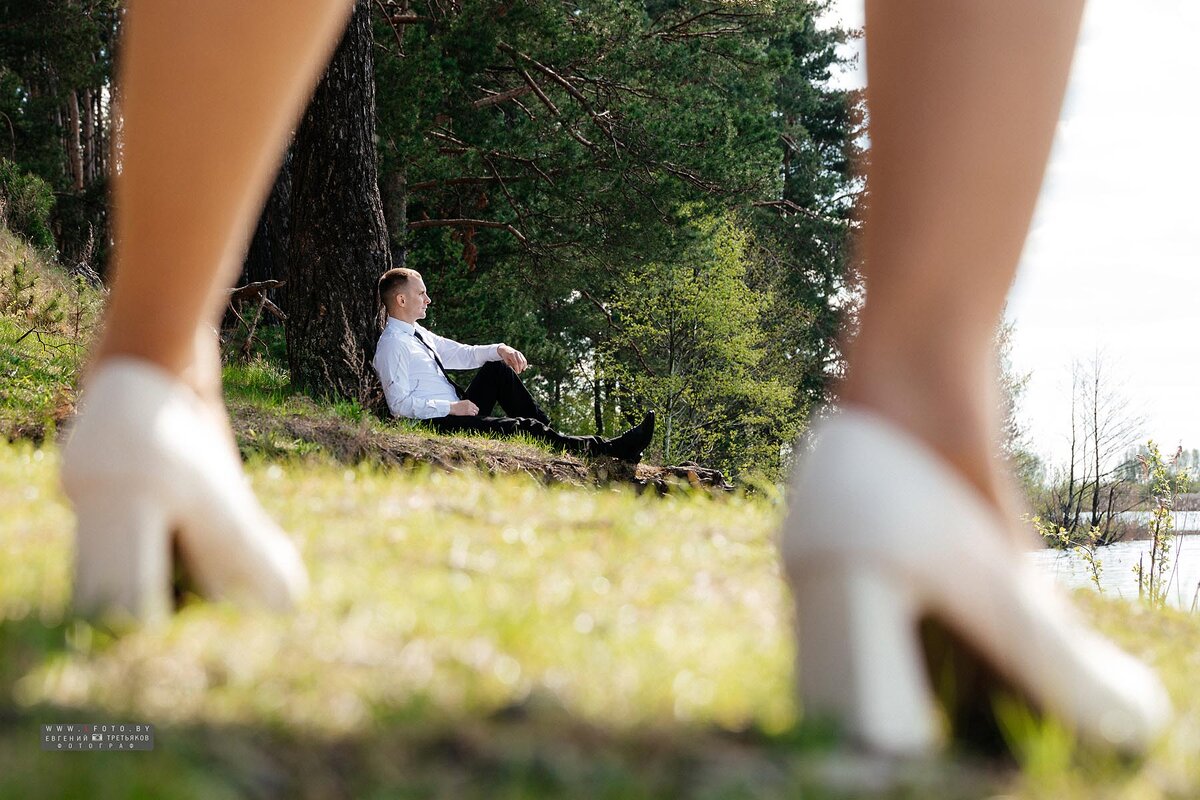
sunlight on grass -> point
(37, 375)
(444, 604)
(464, 592)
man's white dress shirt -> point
(412, 383)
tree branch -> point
(408, 19)
(468, 223)
(500, 97)
(252, 290)
(598, 119)
(465, 181)
(395, 31)
(785, 206)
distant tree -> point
(1014, 438)
(56, 110)
(1094, 485)
(689, 342)
(804, 231)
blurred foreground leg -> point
(209, 92)
(898, 513)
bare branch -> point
(468, 223)
(599, 119)
(785, 206)
(408, 19)
(691, 177)
(499, 97)
(445, 137)
(252, 290)
(533, 85)
(507, 195)
(395, 31)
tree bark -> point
(89, 138)
(597, 405)
(74, 145)
(339, 241)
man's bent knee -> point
(500, 369)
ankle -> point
(197, 365)
(960, 427)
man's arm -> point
(455, 355)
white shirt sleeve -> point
(391, 364)
(461, 356)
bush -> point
(25, 204)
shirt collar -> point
(401, 325)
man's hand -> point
(463, 408)
(514, 358)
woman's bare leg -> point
(964, 97)
(210, 91)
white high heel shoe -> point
(881, 533)
(147, 459)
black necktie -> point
(457, 391)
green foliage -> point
(1014, 442)
(46, 324)
(259, 380)
(20, 297)
(1087, 552)
(25, 204)
(37, 377)
(1154, 578)
(46, 302)
(646, 115)
(1085, 547)
(269, 342)
(56, 68)
(687, 341)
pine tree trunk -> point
(89, 139)
(597, 405)
(74, 144)
(339, 241)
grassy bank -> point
(484, 637)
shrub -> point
(25, 204)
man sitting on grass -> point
(411, 363)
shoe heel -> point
(860, 662)
(122, 556)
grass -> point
(36, 381)
(46, 319)
(485, 637)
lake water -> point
(1184, 520)
(1118, 561)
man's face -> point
(413, 300)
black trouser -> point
(497, 383)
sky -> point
(1112, 263)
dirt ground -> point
(352, 443)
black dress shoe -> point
(630, 444)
